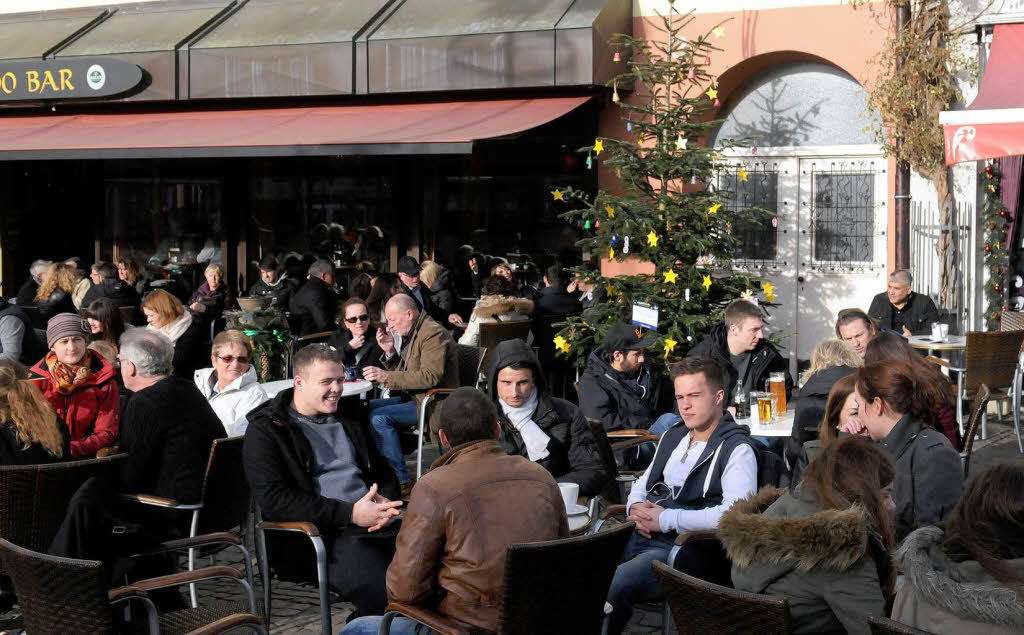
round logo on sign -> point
(96, 77)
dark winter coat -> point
(764, 360)
(620, 402)
(314, 307)
(827, 563)
(427, 304)
(573, 456)
(442, 292)
(216, 302)
(192, 350)
(58, 302)
(921, 313)
(367, 355)
(929, 476)
(33, 348)
(279, 465)
(27, 292)
(13, 452)
(947, 596)
(555, 300)
(119, 291)
(281, 292)
(810, 407)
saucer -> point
(575, 510)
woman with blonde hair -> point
(30, 432)
(439, 281)
(831, 360)
(165, 314)
(231, 385)
(54, 294)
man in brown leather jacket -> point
(463, 515)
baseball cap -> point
(408, 266)
(625, 337)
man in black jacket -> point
(106, 284)
(554, 299)
(167, 431)
(549, 431)
(739, 347)
(306, 460)
(273, 283)
(27, 293)
(314, 306)
(901, 310)
(355, 340)
(409, 274)
(618, 386)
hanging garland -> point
(996, 249)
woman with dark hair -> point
(356, 339)
(895, 407)
(385, 286)
(825, 546)
(888, 346)
(104, 320)
(361, 286)
(498, 303)
(969, 576)
(840, 414)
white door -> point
(821, 242)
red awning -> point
(427, 128)
(993, 125)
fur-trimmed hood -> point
(491, 305)
(964, 589)
(773, 532)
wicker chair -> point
(702, 607)
(885, 626)
(981, 399)
(992, 359)
(1012, 321)
(550, 587)
(614, 493)
(223, 505)
(34, 498)
(494, 333)
(64, 595)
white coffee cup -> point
(945, 332)
(570, 494)
(936, 332)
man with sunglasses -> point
(356, 339)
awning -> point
(430, 128)
(993, 125)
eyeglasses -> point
(359, 318)
(227, 359)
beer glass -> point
(764, 408)
(777, 386)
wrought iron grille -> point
(753, 206)
(843, 214)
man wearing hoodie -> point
(549, 431)
(703, 465)
(273, 283)
(618, 386)
(740, 348)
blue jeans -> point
(635, 581)
(663, 423)
(370, 625)
(385, 417)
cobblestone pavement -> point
(296, 611)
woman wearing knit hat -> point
(80, 386)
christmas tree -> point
(678, 207)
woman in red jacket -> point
(80, 386)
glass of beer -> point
(764, 408)
(777, 386)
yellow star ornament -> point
(610, 210)
(718, 32)
(681, 143)
(712, 93)
(714, 209)
(557, 195)
(670, 276)
(611, 253)
(652, 239)
(670, 345)
(769, 292)
(707, 283)
(598, 147)
(561, 344)
(742, 174)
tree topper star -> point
(598, 147)
(557, 195)
(670, 276)
(652, 239)
(707, 283)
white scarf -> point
(175, 329)
(521, 419)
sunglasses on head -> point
(359, 318)
(227, 359)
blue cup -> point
(352, 373)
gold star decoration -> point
(652, 239)
(712, 93)
(670, 345)
(714, 209)
(718, 32)
(611, 253)
(681, 143)
(769, 292)
(557, 195)
(640, 140)
(561, 344)
(610, 210)
(742, 174)
(707, 283)
(610, 289)
(598, 147)
(670, 276)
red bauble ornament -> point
(718, 103)
(988, 249)
(1003, 213)
(997, 289)
(988, 169)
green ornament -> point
(586, 225)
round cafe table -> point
(358, 387)
(779, 427)
(925, 342)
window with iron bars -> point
(843, 214)
(753, 205)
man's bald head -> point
(402, 302)
(401, 313)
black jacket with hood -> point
(764, 359)
(621, 402)
(314, 307)
(810, 407)
(573, 456)
(281, 292)
(119, 291)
